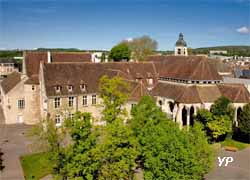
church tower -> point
(181, 46)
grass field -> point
(234, 143)
(36, 166)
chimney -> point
(49, 57)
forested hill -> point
(231, 50)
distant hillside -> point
(231, 50)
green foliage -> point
(142, 47)
(244, 120)
(222, 106)
(119, 151)
(103, 57)
(81, 158)
(220, 125)
(234, 143)
(36, 165)
(166, 152)
(218, 122)
(120, 52)
(10, 53)
(114, 93)
(231, 50)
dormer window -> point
(58, 89)
(150, 81)
(70, 88)
(83, 87)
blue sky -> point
(100, 24)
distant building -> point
(7, 66)
(181, 46)
(217, 52)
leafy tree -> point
(219, 126)
(244, 120)
(82, 158)
(218, 122)
(142, 47)
(120, 52)
(114, 93)
(222, 107)
(119, 151)
(166, 152)
(103, 57)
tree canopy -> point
(142, 47)
(120, 52)
(114, 93)
(218, 121)
(166, 152)
(244, 120)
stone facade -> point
(181, 85)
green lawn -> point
(234, 143)
(36, 165)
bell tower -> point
(181, 46)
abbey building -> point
(56, 85)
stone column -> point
(235, 117)
(175, 111)
(179, 115)
(188, 116)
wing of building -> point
(56, 85)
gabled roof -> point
(75, 74)
(34, 58)
(10, 82)
(184, 67)
(201, 93)
(70, 57)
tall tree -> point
(166, 152)
(119, 146)
(120, 52)
(114, 93)
(244, 120)
(142, 47)
(218, 121)
(82, 158)
(222, 106)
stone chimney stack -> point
(49, 56)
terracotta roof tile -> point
(10, 82)
(64, 74)
(185, 67)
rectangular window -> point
(71, 101)
(93, 99)
(57, 102)
(21, 104)
(58, 119)
(84, 100)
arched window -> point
(192, 116)
(184, 116)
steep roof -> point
(70, 57)
(185, 67)
(201, 93)
(10, 82)
(34, 58)
(76, 74)
(235, 92)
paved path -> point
(239, 169)
(14, 144)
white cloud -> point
(243, 30)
